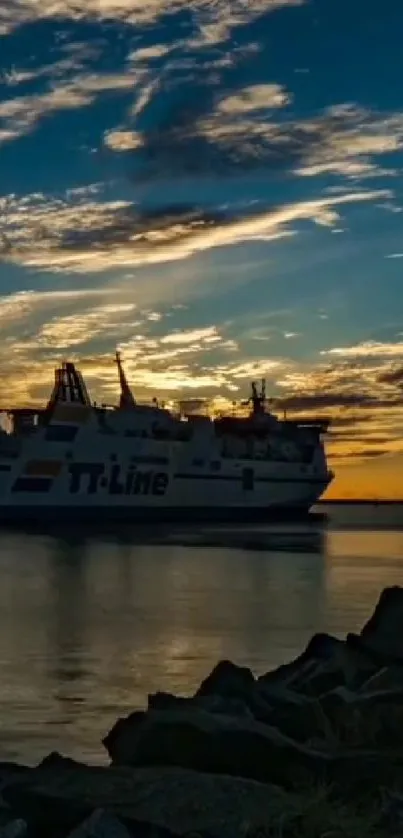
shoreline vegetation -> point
(313, 749)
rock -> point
(100, 824)
(170, 801)
(325, 664)
(10, 771)
(387, 678)
(382, 635)
(230, 706)
(392, 811)
(213, 743)
(321, 647)
(294, 714)
(227, 680)
(14, 829)
(117, 736)
(365, 719)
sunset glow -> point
(216, 191)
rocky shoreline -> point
(313, 748)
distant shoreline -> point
(358, 502)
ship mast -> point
(127, 399)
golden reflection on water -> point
(88, 626)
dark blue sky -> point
(216, 188)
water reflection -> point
(90, 624)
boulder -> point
(365, 719)
(213, 743)
(320, 648)
(211, 703)
(10, 771)
(227, 680)
(149, 802)
(293, 713)
(325, 664)
(15, 829)
(382, 636)
(100, 824)
(387, 678)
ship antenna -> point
(127, 399)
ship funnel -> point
(69, 387)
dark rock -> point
(120, 728)
(54, 760)
(321, 647)
(227, 679)
(365, 719)
(294, 714)
(14, 829)
(387, 678)
(170, 801)
(382, 635)
(223, 745)
(10, 771)
(211, 703)
(101, 824)
(216, 744)
(392, 810)
(325, 664)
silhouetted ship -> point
(136, 462)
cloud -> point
(367, 349)
(392, 376)
(209, 333)
(25, 304)
(362, 398)
(19, 116)
(93, 235)
(209, 16)
(80, 328)
(324, 401)
(222, 132)
(348, 140)
(258, 97)
(120, 140)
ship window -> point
(215, 465)
(198, 462)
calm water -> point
(90, 625)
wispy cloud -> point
(367, 349)
(22, 114)
(14, 13)
(82, 236)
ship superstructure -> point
(139, 462)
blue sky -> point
(216, 189)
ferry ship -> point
(77, 460)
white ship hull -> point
(152, 486)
